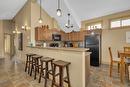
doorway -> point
(7, 44)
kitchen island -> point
(79, 58)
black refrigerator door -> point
(94, 57)
(92, 42)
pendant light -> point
(40, 19)
(68, 24)
(59, 12)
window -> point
(94, 26)
(115, 24)
(126, 22)
(121, 22)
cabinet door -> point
(70, 36)
(40, 36)
(81, 35)
(36, 34)
(77, 36)
(63, 37)
(44, 33)
(74, 36)
(49, 35)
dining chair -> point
(127, 61)
(113, 60)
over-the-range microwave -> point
(56, 37)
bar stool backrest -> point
(126, 49)
(110, 52)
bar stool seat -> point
(46, 61)
(61, 65)
(35, 64)
(30, 54)
(28, 61)
(37, 56)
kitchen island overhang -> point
(79, 69)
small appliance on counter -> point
(44, 44)
(54, 45)
(68, 44)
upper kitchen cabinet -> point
(39, 33)
(82, 35)
(64, 36)
(45, 34)
(42, 33)
(74, 36)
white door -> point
(7, 43)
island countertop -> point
(62, 48)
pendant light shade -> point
(40, 19)
(59, 12)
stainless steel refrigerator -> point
(93, 42)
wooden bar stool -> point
(28, 61)
(35, 65)
(45, 61)
(61, 65)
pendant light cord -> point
(58, 4)
(68, 19)
(40, 8)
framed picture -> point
(20, 41)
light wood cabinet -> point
(38, 34)
(64, 36)
(82, 35)
(73, 36)
(43, 33)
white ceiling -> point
(84, 9)
(9, 8)
(79, 9)
(88, 9)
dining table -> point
(123, 55)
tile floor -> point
(12, 75)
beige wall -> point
(23, 17)
(1, 40)
(116, 38)
(7, 26)
(55, 24)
